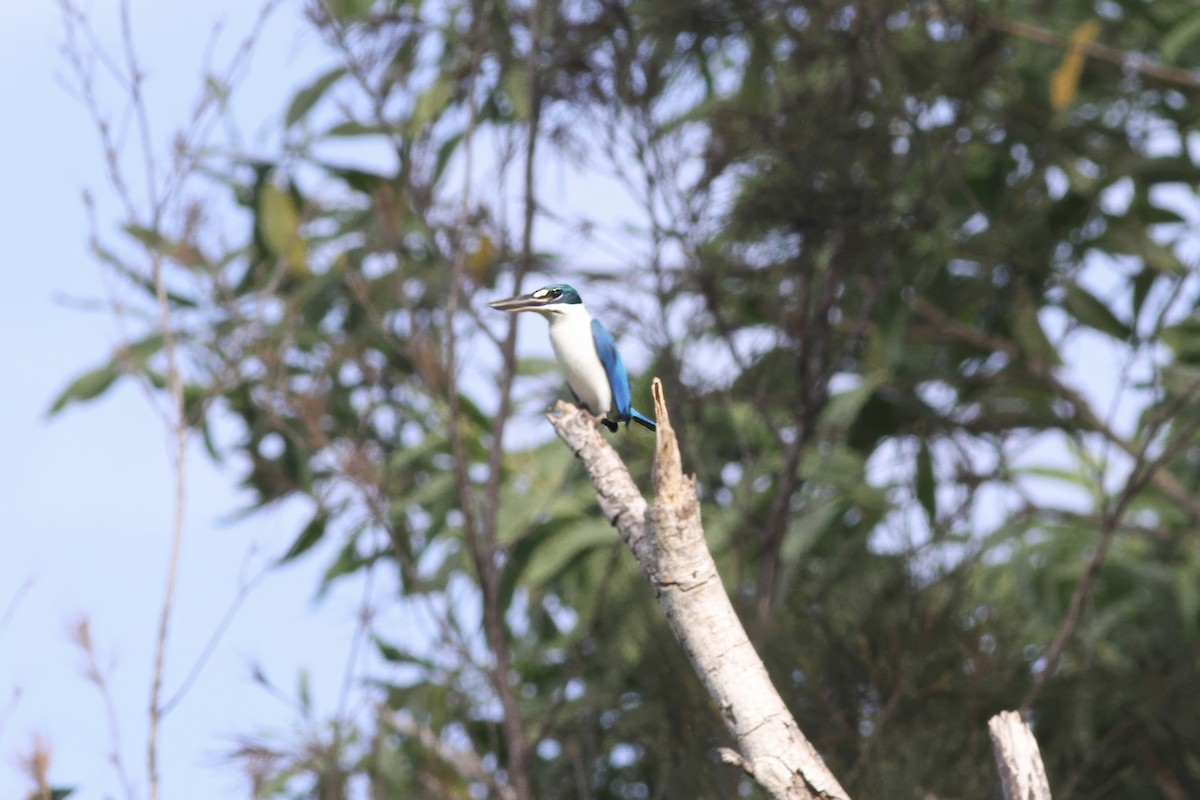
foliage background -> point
(872, 253)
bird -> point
(585, 351)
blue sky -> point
(87, 495)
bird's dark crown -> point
(558, 293)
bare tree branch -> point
(81, 634)
(1018, 758)
(667, 539)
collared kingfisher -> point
(586, 352)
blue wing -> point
(618, 378)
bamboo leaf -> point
(308, 537)
(87, 386)
(1093, 312)
(926, 485)
(310, 95)
(1177, 40)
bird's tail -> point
(637, 417)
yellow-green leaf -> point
(515, 84)
(432, 102)
(1064, 83)
(279, 225)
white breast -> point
(571, 337)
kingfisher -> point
(586, 352)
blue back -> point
(618, 378)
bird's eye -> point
(556, 293)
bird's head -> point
(546, 300)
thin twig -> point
(218, 633)
(179, 431)
(14, 603)
(81, 634)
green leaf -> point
(1135, 241)
(836, 465)
(1179, 37)
(183, 253)
(1028, 333)
(357, 179)
(1181, 380)
(445, 151)
(348, 562)
(304, 693)
(308, 537)
(349, 10)
(926, 485)
(1187, 590)
(308, 97)
(87, 386)
(353, 128)
(515, 85)
(401, 655)
(843, 408)
(279, 225)
(1184, 339)
(141, 281)
(808, 526)
(1142, 283)
(1091, 311)
(432, 102)
(550, 550)
(143, 349)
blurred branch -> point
(466, 763)
(1133, 62)
(14, 603)
(667, 539)
(81, 635)
(481, 528)
(1143, 472)
(1162, 480)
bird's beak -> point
(525, 302)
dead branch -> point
(1018, 758)
(667, 539)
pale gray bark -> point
(667, 540)
(1018, 758)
